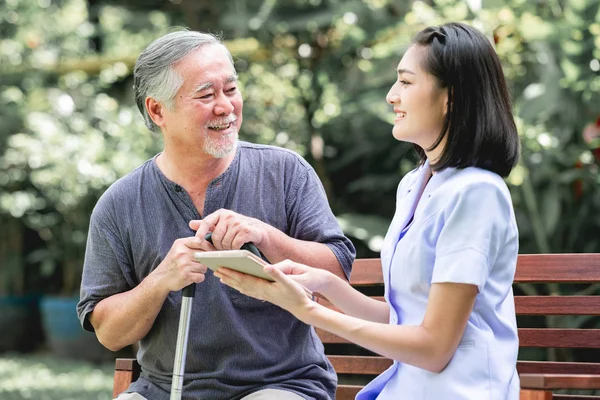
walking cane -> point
(183, 330)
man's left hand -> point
(230, 230)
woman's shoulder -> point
(474, 179)
(480, 189)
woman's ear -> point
(448, 104)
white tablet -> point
(239, 260)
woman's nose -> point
(392, 97)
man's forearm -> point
(125, 318)
(279, 247)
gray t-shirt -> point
(236, 344)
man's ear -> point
(155, 110)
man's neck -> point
(192, 171)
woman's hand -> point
(285, 291)
(314, 279)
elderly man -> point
(141, 239)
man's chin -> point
(222, 147)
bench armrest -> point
(127, 370)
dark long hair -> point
(479, 124)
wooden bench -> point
(539, 379)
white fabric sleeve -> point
(476, 222)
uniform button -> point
(177, 188)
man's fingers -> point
(193, 242)
(195, 224)
(238, 241)
(197, 243)
(203, 226)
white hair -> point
(153, 74)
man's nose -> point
(223, 106)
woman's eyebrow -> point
(405, 71)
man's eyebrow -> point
(208, 85)
(405, 71)
(203, 86)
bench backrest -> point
(355, 366)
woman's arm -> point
(429, 345)
(352, 302)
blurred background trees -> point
(314, 74)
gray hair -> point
(153, 74)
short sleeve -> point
(311, 218)
(475, 226)
(103, 265)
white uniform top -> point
(463, 230)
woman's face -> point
(419, 103)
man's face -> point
(207, 112)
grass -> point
(45, 377)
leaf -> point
(371, 229)
(550, 209)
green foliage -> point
(45, 378)
(314, 74)
(76, 131)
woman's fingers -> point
(275, 292)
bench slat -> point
(560, 381)
(560, 338)
(531, 268)
(536, 268)
(330, 338)
(528, 337)
(535, 395)
(361, 365)
(366, 271)
(555, 367)
(347, 392)
(557, 305)
(544, 268)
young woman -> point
(450, 253)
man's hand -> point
(230, 230)
(179, 269)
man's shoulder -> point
(271, 154)
(126, 187)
